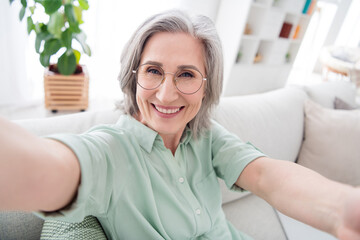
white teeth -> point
(167, 111)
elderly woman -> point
(153, 174)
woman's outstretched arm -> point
(305, 195)
(35, 173)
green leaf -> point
(11, 1)
(51, 6)
(38, 41)
(45, 35)
(24, 3)
(30, 25)
(56, 22)
(77, 55)
(70, 14)
(81, 38)
(84, 4)
(78, 14)
(45, 59)
(22, 13)
(51, 46)
(67, 63)
(66, 38)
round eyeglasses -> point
(188, 80)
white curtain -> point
(108, 25)
(15, 85)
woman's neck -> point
(171, 141)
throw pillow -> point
(341, 104)
(331, 143)
(89, 228)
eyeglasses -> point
(187, 80)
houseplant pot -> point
(66, 82)
(66, 92)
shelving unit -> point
(260, 39)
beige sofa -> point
(273, 121)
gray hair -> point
(200, 27)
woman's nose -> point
(167, 91)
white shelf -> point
(258, 46)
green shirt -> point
(139, 190)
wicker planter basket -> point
(66, 92)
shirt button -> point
(181, 180)
(198, 211)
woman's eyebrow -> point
(188, 66)
(178, 67)
(154, 63)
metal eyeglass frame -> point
(162, 81)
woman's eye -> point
(154, 71)
(186, 75)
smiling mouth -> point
(167, 110)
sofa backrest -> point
(71, 123)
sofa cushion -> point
(272, 121)
(89, 228)
(255, 217)
(331, 144)
(325, 93)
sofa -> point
(277, 122)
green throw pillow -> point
(89, 228)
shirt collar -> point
(145, 135)
(186, 136)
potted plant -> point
(65, 80)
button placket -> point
(179, 169)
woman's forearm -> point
(299, 192)
(34, 172)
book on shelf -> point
(309, 7)
(296, 33)
(285, 30)
(306, 6)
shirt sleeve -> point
(231, 155)
(99, 151)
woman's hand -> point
(349, 227)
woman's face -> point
(166, 109)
